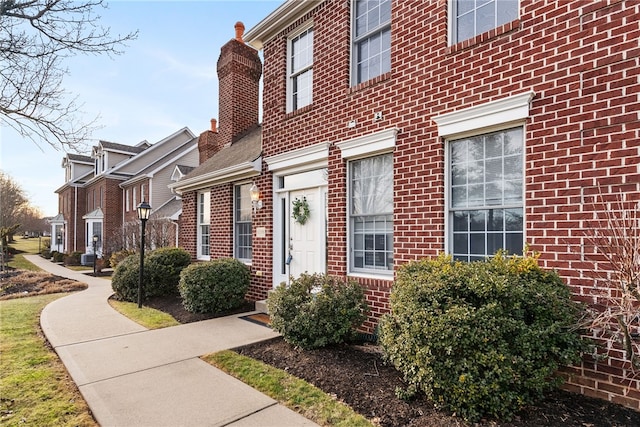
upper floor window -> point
(371, 37)
(472, 17)
(127, 203)
(242, 234)
(143, 193)
(300, 70)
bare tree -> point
(13, 204)
(613, 247)
(35, 38)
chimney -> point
(208, 142)
(239, 71)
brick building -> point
(411, 128)
(101, 191)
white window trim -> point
(247, 261)
(300, 30)
(199, 254)
(303, 159)
(482, 118)
(369, 145)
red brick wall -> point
(239, 70)
(581, 59)
(187, 237)
(67, 207)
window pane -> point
(495, 220)
(493, 180)
(460, 221)
(476, 244)
(494, 243)
(514, 243)
(460, 244)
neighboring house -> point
(416, 128)
(101, 192)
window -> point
(204, 219)
(486, 194)
(473, 17)
(371, 39)
(242, 234)
(371, 214)
(135, 199)
(300, 69)
(127, 201)
(143, 190)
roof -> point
(170, 210)
(184, 170)
(80, 158)
(122, 147)
(278, 20)
(239, 160)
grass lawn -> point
(36, 389)
(145, 316)
(294, 393)
(29, 246)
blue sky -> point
(165, 80)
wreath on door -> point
(300, 210)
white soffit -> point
(369, 145)
(306, 158)
(492, 113)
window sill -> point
(372, 82)
(298, 112)
(375, 276)
(484, 37)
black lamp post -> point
(143, 215)
(95, 253)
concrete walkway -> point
(131, 376)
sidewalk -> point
(131, 376)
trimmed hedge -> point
(214, 286)
(162, 269)
(317, 310)
(482, 338)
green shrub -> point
(214, 286)
(164, 266)
(483, 338)
(125, 279)
(162, 269)
(73, 258)
(57, 256)
(119, 256)
(45, 253)
(317, 310)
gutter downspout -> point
(75, 220)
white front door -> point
(307, 242)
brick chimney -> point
(239, 71)
(208, 142)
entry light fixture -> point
(254, 194)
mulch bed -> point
(357, 375)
